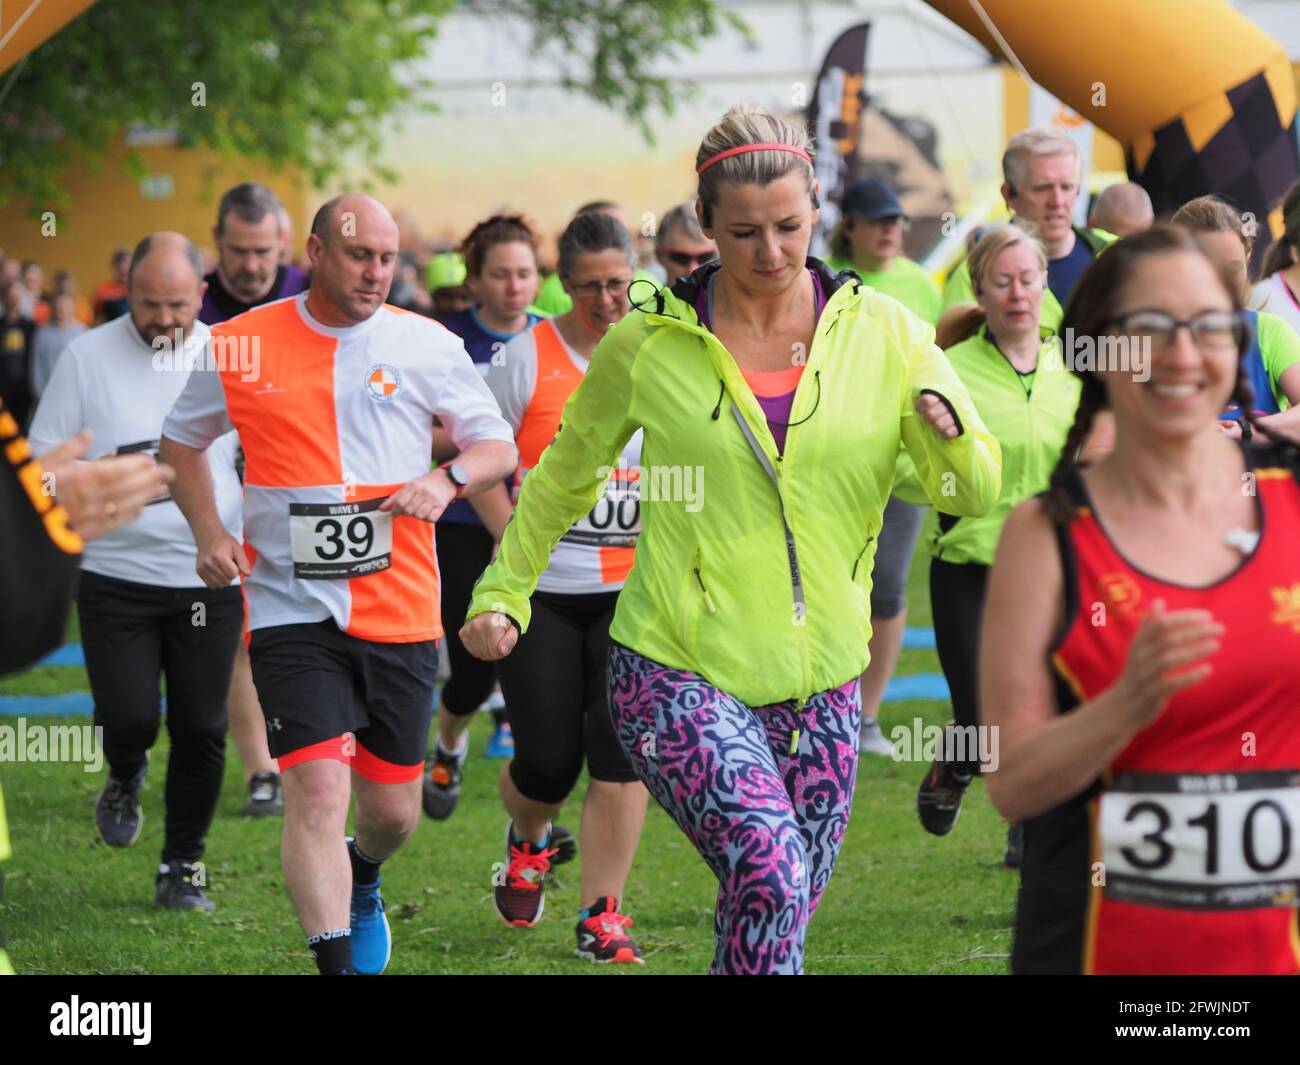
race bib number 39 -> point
(1220, 841)
(339, 541)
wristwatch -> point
(458, 476)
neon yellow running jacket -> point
(752, 569)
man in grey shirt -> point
(53, 338)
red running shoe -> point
(602, 935)
(517, 883)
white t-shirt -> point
(580, 563)
(1273, 295)
(108, 380)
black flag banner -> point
(833, 120)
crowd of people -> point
(309, 427)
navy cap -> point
(871, 199)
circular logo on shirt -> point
(383, 382)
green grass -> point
(900, 901)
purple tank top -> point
(776, 406)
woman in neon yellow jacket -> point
(1017, 377)
(774, 397)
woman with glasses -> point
(552, 297)
(773, 396)
(1139, 646)
(1018, 380)
(1272, 362)
(869, 241)
(681, 247)
(554, 683)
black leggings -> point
(131, 633)
(555, 685)
(464, 552)
(957, 602)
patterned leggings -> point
(768, 823)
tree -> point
(300, 83)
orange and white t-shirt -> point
(532, 382)
(333, 421)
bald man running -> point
(334, 394)
(143, 610)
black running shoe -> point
(178, 888)
(118, 816)
(938, 800)
(602, 936)
(442, 782)
(564, 845)
(265, 797)
(1015, 845)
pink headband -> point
(764, 147)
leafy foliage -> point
(301, 84)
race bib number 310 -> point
(340, 541)
(1217, 841)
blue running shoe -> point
(372, 942)
(502, 743)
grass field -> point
(901, 901)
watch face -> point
(457, 473)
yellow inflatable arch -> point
(1202, 99)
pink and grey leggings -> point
(769, 823)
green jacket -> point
(958, 289)
(907, 281)
(760, 583)
(1032, 415)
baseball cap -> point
(871, 199)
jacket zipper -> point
(858, 561)
(773, 471)
(708, 599)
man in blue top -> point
(1042, 170)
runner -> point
(1279, 290)
(445, 279)
(1041, 172)
(552, 299)
(144, 614)
(1273, 360)
(1123, 208)
(869, 241)
(1017, 378)
(501, 269)
(742, 629)
(340, 573)
(1139, 649)
(250, 236)
(554, 682)
(680, 245)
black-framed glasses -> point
(590, 290)
(1210, 330)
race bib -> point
(339, 541)
(615, 520)
(1217, 841)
